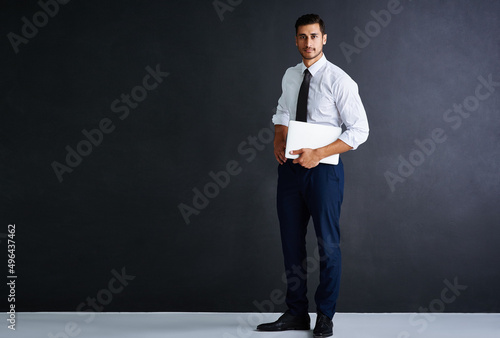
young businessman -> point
(317, 91)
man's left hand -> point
(308, 158)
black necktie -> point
(302, 101)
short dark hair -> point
(310, 19)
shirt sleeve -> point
(352, 112)
(282, 115)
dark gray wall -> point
(409, 228)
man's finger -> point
(295, 152)
(279, 157)
(282, 157)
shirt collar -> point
(316, 66)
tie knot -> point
(307, 75)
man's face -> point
(310, 41)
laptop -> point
(311, 135)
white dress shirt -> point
(333, 100)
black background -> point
(119, 208)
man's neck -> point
(308, 63)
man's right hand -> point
(280, 133)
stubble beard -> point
(304, 55)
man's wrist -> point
(320, 153)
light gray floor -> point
(241, 325)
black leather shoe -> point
(287, 322)
(324, 326)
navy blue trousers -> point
(302, 194)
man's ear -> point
(324, 39)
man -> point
(307, 188)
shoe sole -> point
(288, 329)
